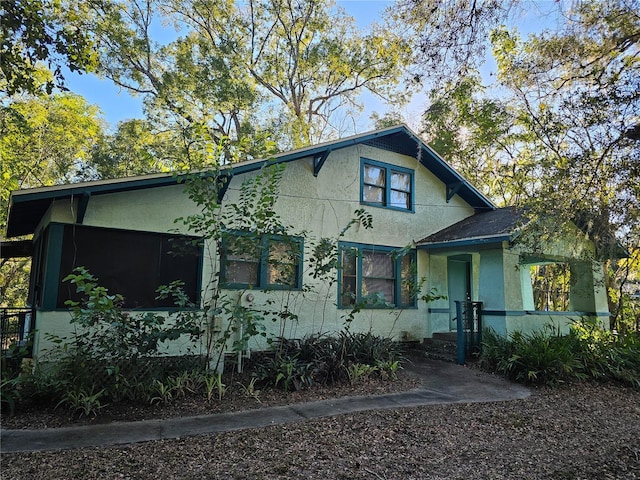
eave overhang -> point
(27, 207)
(16, 249)
(483, 242)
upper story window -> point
(376, 277)
(261, 261)
(385, 185)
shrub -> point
(547, 357)
(112, 351)
(369, 349)
(286, 372)
(327, 360)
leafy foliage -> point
(37, 31)
(329, 359)
(546, 357)
(108, 351)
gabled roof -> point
(27, 207)
(482, 228)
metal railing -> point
(15, 326)
(469, 324)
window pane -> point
(238, 271)
(376, 289)
(373, 194)
(348, 293)
(401, 181)
(377, 265)
(408, 286)
(400, 199)
(241, 260)
(283, 263)
(377, 277)
(348, 278)
(374, 175)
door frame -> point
(459, 279)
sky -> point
(118, 105)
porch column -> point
(588, 292)
(491, 290)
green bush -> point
(285, 371)
(547, 357)
(327, 360)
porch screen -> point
(133, 264)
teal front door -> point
(459, 284)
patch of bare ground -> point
(578, 431)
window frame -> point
(263, 246)
(389, 170)
(399, 280)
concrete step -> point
(446, 336)
(442, 346)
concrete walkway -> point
(441, 383)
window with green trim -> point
(261, 261)
(384, 185)
(376, 277)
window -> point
(378, 277)
(386, 186)
(131, 263)
(263, 261)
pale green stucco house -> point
(458, 241)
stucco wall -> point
(321, 206)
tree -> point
(577, 92)
(312, 62)
(134, 149)
(36, 31)
(476, 134)
(43, 141)
(245, 72)
(448, 39)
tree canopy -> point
(37, 39)
(554, 129)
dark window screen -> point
(133, 264)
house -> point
(429, 227)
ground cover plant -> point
(548, 357)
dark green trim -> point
(439, 310)
(452, 189)
(83, 203)
(521, 313)
(224, 182)
(318, 161)
(52, 267)
(263, 251)
(389, 169)
(473, 242)
(397, 266)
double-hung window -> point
(385, 185)
(261, 261)
(376, 277)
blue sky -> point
(117, 104)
